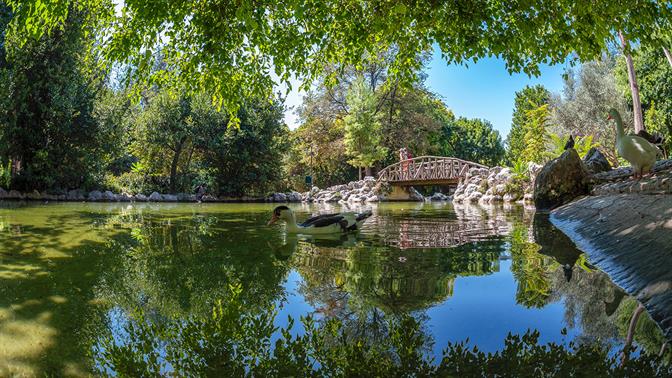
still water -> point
(72, 275)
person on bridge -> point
(404, 156)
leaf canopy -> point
(235, 49)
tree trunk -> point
(668, 55)
(368, 171)
(359, 170)
(173, 165)
(632, 78)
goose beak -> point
(609, 117)
(273, 220)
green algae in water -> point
(73, 275)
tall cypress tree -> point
(527, 99)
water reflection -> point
(74, 275)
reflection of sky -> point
(484, 309)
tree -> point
(471, 139)
(231, 51)
(655, 78)
(47, 126)
(527, 99)
(536, 134)
(588, 95)
(363, 131)
(164, 130)
(634, 88)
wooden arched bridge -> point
(424, 170)
(427, 170)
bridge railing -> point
(427, 168)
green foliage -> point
(529, 268)
(535, 133)
(654, 75)
(588, 95)
(363, 130)
(473, 140)
(234, 340)
(230, 51)
(47, 122)
(526, 99)
(555, 145)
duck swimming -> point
(337, 223)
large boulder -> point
(155, 197)
(169, 198)
(278, 197)
(595, 161)
(560, 181)
(3, 193)
(76, 195)
(108, 196)
(95, 195)
(294, 197)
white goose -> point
(638, 151)
(338, 223)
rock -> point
(185, 197)
(108, 196)
(3, 193)
(415, 195)
(628, 236)
(141, 198)
(373, 198)
(169, 198)
(14, 194)
(314, 190)
(34, 195)
(278, 197)
(595, 162)
(76, 195)
(123, 197)
(155, 197)
(438, 197)
(474, 196)
(500, 189)
(560, 181)
(294, 197)
(209, 198)
(335, 197)
(95, 195)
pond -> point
(73, 276)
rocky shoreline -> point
(625, 228)
(496, 185)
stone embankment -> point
(498, 184)
(622, 224)
(366, 190)
(108, 196)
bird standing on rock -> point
(570, 143)
(638, 151)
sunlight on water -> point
(73, 273)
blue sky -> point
(482, 90)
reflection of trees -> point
(592, 301)
(176, 266)
(529, 268)
(394, 280)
